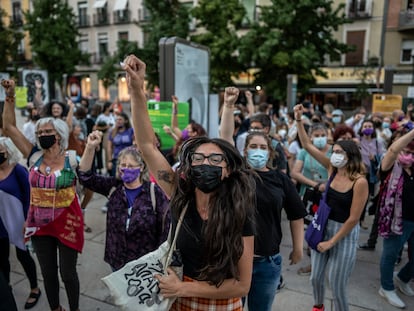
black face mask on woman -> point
(2, 157)
(206, 177)
(47, 141)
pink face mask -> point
(406, 159)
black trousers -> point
(25, 259)
(52, 254)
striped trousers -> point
(338, 263)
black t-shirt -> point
(274, 191)
(190, 241)
(407, 193)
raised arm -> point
(392, 154)
(93, 141)
(9, 120)
(174, 118)
(305, 140)
(250, 104)
(144, 133)
(69, 117)
(227, 116)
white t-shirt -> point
(29, 131)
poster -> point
(73, 89)
(386, 104)
(21, 97)
(36, 82)
(160, 114)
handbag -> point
(315, 231)
(134, 287)
(311, 200)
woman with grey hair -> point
(138, 217)
(14, 205)
(54, 220)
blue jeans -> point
(265, 279)
(391, 247)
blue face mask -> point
(336, 120)
(257, 158)
(385, 125)
(319, 142)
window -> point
(102, 46)
(123, 36)
(250, 6)
(17, 13)
(357, 40)
(407, 50)
(84, 43)
(83, 14)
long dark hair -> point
(355, 167)
(230, 206)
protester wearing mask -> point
(216, 242)
(371, 152)
(54, 220)
(137, 221)
(338, 117)
(274, 192)
(396, 218)
(346, 196)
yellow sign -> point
(351, 76)
(21, 97)
(386, 103)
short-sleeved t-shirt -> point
(312, 169)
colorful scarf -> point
(390, 208)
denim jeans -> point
(265, 279)
(391, 247)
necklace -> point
(48, 170)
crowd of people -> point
(233, 188)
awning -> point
(99, 4)
(120, 5)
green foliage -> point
(221, 20)
(167, 19)
(10, 39)
(293, 37)
(53, 33)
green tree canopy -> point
(53, 33)
(10, 39)
(293, 37)
(167, 19)
(220, 20)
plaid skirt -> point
(205, 304)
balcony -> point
(359, 9)
(143, 15)
(100, 19)
(16, 21)
(122, 17)
(406, 20)
(83, 21)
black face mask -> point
(206, 177)
(35, 117)
(2, 157)
(47, 141)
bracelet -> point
(298, 120)
(12, 96)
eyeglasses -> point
(45, 132)
(213, 159)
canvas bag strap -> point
(328, 184)
(172, 245)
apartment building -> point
(399, 46)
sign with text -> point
(386, 103)
(160, 114)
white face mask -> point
(282, 133)
(338, 160)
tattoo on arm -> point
(165, 176)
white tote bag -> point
(134, 287)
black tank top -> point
(340, 204)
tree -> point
(107, 72)
(221, 20)
(10, 39)
(53, 37)
(167, 19)
(293, 37)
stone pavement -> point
(296, 296)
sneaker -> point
(366, 247)
(281, 284)
(404, 288)
(104, 209)
(321, 308)
(304, 271)
(392, 298)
